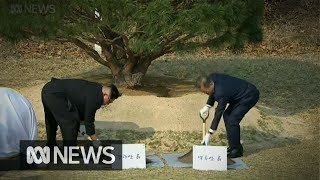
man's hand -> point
(204, 112)
(93, 137)
(82, 130)
(95, 141)
(206, 139)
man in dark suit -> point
(241, 97)
(66, 102)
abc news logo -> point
(36, 155)
(32, 8)
(68, 155)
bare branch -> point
(107, 51)
(90, 51)
(182, 38)
(168, 43)
(88, 15)
(183, 4)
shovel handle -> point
(203, 126)
(203, 129)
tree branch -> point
(177, 38)
(89, 16)
(182, 4)
(107, 51)
(167, 46)
(91, 52)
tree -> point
(133, 33)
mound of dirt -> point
(186, 158)
(162, 114)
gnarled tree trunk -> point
(131, 77)
(128, 69)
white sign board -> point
(210, 158)
(133, 156)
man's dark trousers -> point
(59, 111)
(234, 114)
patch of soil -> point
(186, 158)
(160, 86)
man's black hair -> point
(114, 91)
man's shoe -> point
(229, 149)
(234, 153)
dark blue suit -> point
(241, 96)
